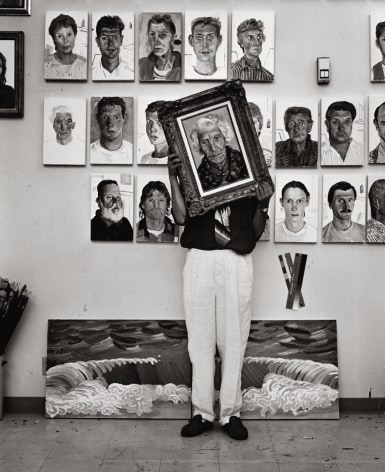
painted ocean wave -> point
(93, 397)
(283, 394)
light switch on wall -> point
(323, 70)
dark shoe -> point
(195, 427)
(235, 429)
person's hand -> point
(264, 192)
(174, 163)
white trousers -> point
(217, 289)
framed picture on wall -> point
(376, 129)
(112, 46)
(15, 7)
(66, 42)
(375, 224)
(213, 133)
(160, 47)
(377, 47)
(11, 74)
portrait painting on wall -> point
(205, 51)
(296, 133)
(375, 225)
(377, 47)
(66, 42)
(261, 109)
(252, 46)
(343, 208)
(112, 207)
(152, 146)
(214, 134)
(11, 74)
(376, 129)
(15, 7)
(64, 131)
(111, 130)
(154, 221)
(160, 47)
(136, 369)
(113, 40)
(296, 208)
(342, 131)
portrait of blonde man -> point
(113, 47)
(342, 132)
(252, 48)
(205, 45)
(64, 131)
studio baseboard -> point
(347, 405)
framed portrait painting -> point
(66, 45)
(376, 123)
(375, 223)
(214, 134)
(113, 42)
(11, 74)
(377, 47)
(15, 7)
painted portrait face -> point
(64, 39)
(111, 203)
(154, 128)
(298, 126)
(343, 204)
(380, 123)
(155, 205)
(380, 43)
(205, 42)
(111, 121)
(109, 42)
(340, 126)
(63, 126)
(294, 203)
(251, 43)
(212, 144)
(160, 38)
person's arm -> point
(178, 204)
(264, 192)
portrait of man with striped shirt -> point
(251, 36)
(341, 149)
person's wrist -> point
(263, 209)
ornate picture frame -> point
(16, 8)
(12, 89)
(179, 119)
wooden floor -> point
(31, 443)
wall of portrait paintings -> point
(90, 146)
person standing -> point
(217, 287)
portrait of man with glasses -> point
(300, 150)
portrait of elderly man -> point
(155, 135)
(65, 63)
(377, 155)
(378, 70)
(299, 150)
(155, 225)
(108, 62)
(220, 164)
(375, 229)
(341, 149)
(251, 36)
(205, 39)
(62, 146)
(294, 200)
(341, 198)
(163, 63)
(109, 222)
(110, 147)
